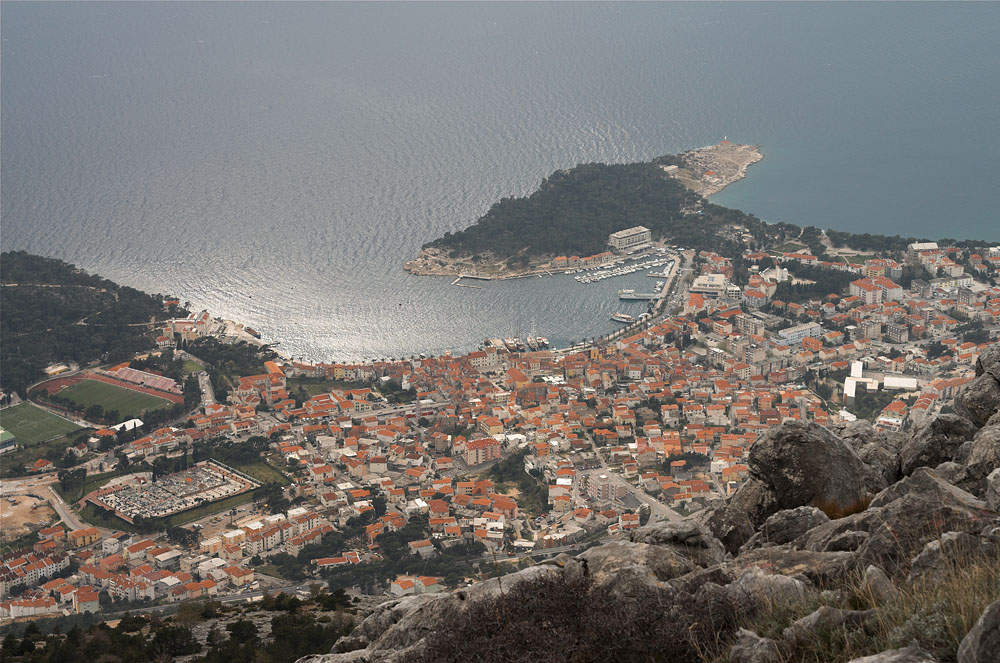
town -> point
(421, 475)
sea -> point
(277, 163)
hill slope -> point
(54, 312)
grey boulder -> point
(935, 442)
(993, 490)
(982, 643)
(878, 585)
(905, 516)
(980, 399)
(905, 655)
(878, 449)
(751, 648)
(786, 526)
(825, 620)
(805, 464)
(942, 555)
(984, 457)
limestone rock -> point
(838, 534)
(905, 516)
(934, 442)
(825, 620)
(993, 490)
(980, 399)
(982, 643)
(492, 587)
(984, 457)
(396, 629)
(905, 655)
(846, 541)
(987, 358)
(755, 586)
(876, 448)
(951, 471)
(820, 568)
(690, 583)
(940, 555)
(786, 526)
(878, 584)
(751, 648)
(658, 562)
(729, 525)
(687, 538)
(755, 500)
(804, 463)
(963, 452)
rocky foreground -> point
(845, 544)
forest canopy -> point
(54, 312)
(574, 211)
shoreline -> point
(704, 171)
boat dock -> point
(459, 278)
(632, 295)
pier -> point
(458, 279)
(632, 295)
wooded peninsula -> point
(573, 212)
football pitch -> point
(110, 397)
(31, 424)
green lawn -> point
(790, 247)
(192, 366)
(91, 514)
(32, 425)
(264, 472)
(314, 387)
(111, 397)
(93, 482)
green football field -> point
(31, 424)
(110, 397)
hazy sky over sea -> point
(277, 163)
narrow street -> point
(657, 510)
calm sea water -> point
(277, 163)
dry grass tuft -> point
(934, 615)
(834, 511)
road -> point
(237, 598)
(68, 517)
(42, 486)
(657, 510)
(535, 552)
(207, 393)
(410, 408)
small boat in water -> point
(622, 317)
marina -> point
(600, 273)
(515, 344)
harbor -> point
(515, 344)
(595, 274)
